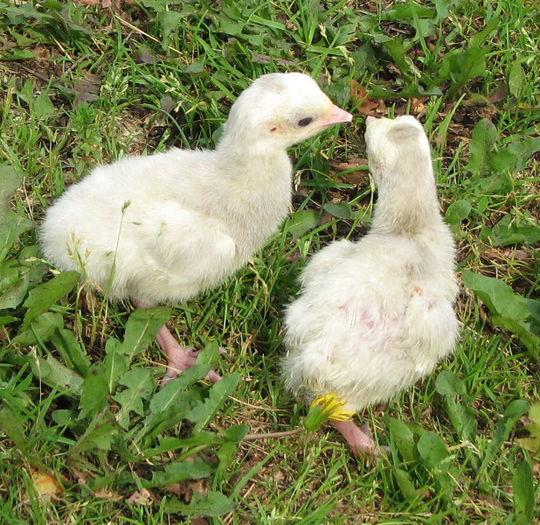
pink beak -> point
(335, 116)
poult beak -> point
(335, 116)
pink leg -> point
(179, 358)
(359, 440)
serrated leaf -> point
(53, 373)
(497, 296)
(483, 139)
(99, 434)
(168, 396)
(41, 298)
(139, 384)
(176, 472)
(213, 504)
(115, 363)
(217, 395)
(169, 443)
(72, 352)
(524, 500)
(142, 327)
(449, 384)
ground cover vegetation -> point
(87, 436)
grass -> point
(83, 85)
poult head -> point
(396, 147)
(279, 110)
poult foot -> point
(179, 358)
(359, 439)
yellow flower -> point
(332, 407)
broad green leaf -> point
(341, 210)
(14, 282)
(53, 373)
(449, 384)
(169, 443)
(157, 423)
(432, 450)
(516, 78)
(403, 437)
(42, 328)
(524, 499)
(458, 211)
(139, 384)
(100, 434)
(209, 355)
(462, 418)
(41, 298)
(72, 352)
(167, 397)
(212, 505)
(226, 455)
(497, 296)
(405, 484)
(176, 472)
(94, 392)
(142, 327)
(302, 221)
(236, 433)
(42, 106)
(217, 395)
(11, 224)
(507, 231)
(483, 139)
(115, 363)
(403, 12)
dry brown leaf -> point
(360, 97)
(141, 497)
(108, 495)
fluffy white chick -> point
(165, 227)
(377, 315)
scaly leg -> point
(359, 439)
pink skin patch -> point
(358, 439)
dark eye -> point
(304, 122)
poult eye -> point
(305, 121)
